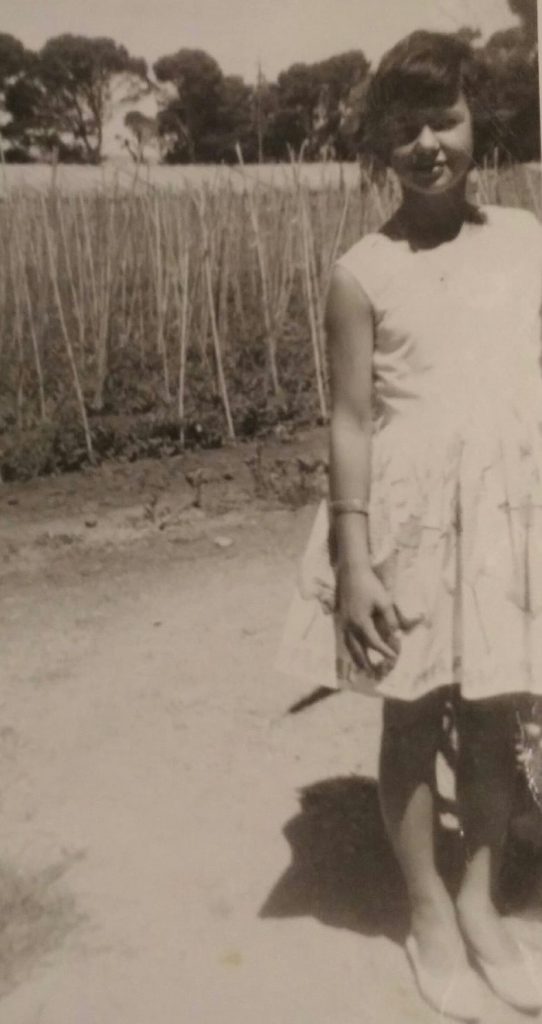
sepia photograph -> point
(270, 512)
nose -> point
(427, 139)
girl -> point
(433, 582)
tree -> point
(469, 35)
(298, 89)
(235, 117)
(22, 99)
(65, 97)
(193, 112)
(506, 94)
(14, 60)
(339, 75)
(310, 98)
(527, 12)
(510, 89)
(144, 131)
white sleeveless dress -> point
(455, 521)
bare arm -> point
(365, 607)
(349, 326)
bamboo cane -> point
(211, 306)
(266, 307)
(67, 342)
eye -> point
(406, 130)
(443, 123)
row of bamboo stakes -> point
(172, 272)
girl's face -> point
(432, 150)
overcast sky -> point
(239, 32)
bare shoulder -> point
(347, 301)
(512, 218)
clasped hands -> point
(371, 622)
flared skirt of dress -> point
(456, 537)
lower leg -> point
(407, 784)
(485, 791)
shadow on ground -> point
(344, 873)
(36, 915)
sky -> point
(239, 33)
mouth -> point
(429, 168)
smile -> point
(428, 168)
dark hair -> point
(423, 71)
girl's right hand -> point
(368, 616)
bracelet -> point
(349, 505)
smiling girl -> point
(434, 575)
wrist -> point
(354, 564)
(349, 506)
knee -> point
(488, 729)
(492, 719)
(404, 716)
(413, 727)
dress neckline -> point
(466, 228)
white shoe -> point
(456, 994)
(515, 983)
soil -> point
(177, 846)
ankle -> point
(432, 900)
(433, 915)
(475, 903)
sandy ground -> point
(176, 847)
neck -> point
(434, 218)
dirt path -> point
(175, 846)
